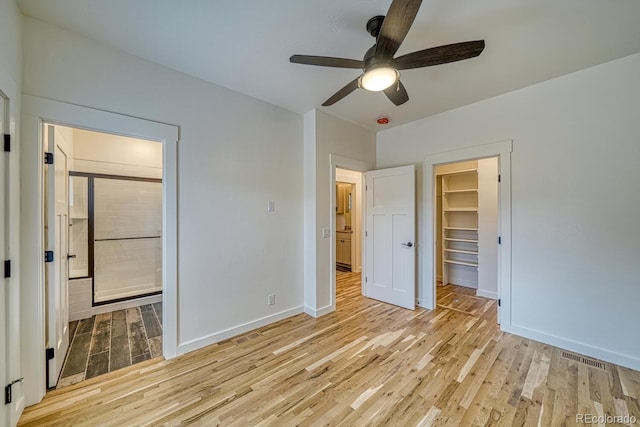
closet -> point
(467, 238)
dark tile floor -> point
(111, 341)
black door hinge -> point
(7, 268)
(48, 158)
(7, 142)
(499, 302)
(48, 256)
(7, 391)
(50, 353)
(499, 240)
(499, 178)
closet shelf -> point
(460, 172)
(451, 239)
(470, 264)
(460, 251)
(469, 190)
(461, 228)
(461, 210)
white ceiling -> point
(245, 45)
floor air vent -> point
(584, 360)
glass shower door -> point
(127, 238)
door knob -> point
(408, 244)
(70, 256)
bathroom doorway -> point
(348, 232)
(104, 305)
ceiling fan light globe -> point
(379, 78)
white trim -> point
(337, 161)
(11, 287)
(626, 360)
(471, 284)
(237, 330)
(319, 312)
(35, 112)
(503, 151)
(486, 294)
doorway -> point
(347, 237)
(466, 223)
(104, 305)
(427, 290)
(36, 112)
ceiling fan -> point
(381, 71)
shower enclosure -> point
(116, 235)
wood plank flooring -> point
(368, 363)
(112, 341)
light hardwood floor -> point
(368, 363)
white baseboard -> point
(486, 294)
(318, 312)
(236, 330)
(122, 305)
(465, 283)
(625, 360)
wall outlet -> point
(271, 299)
(271, 206)
(325, 233)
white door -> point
(390, 236)
(57, 241)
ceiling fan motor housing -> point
(374, 24)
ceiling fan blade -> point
(439, 55)
(397, 93)
(395, 27)
(350, 87)
(326, 61)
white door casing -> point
(10, 340)
(4, 315)
(390, 236)
(57, 278)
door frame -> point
(9, 95)
(336, 161)
(35, 112)
(502, 150)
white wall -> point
(575, 200)
(326, 137)
(235, 153)
(488, 228)
(97, 152)
(10, 40)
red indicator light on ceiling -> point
(383, 120)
